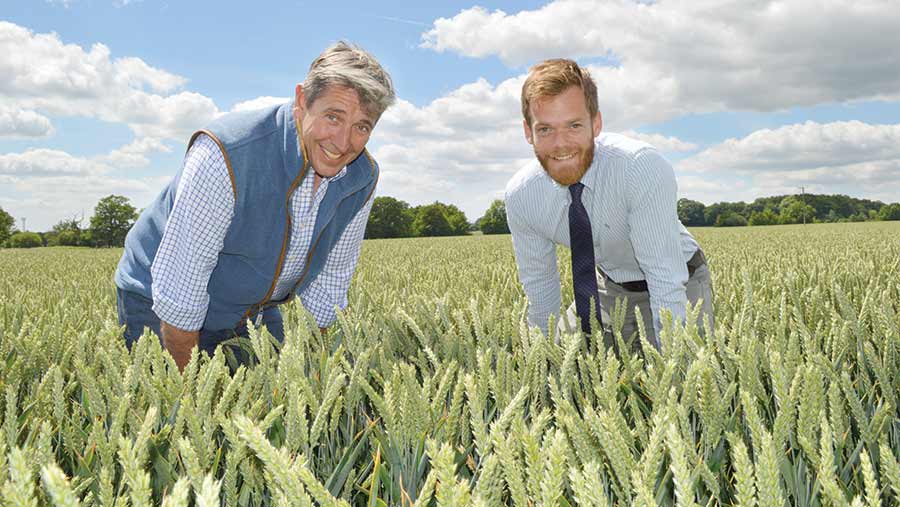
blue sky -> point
(745, 98)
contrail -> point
(401, 20)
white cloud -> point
(708, 189)
(23, 123)
(528, 35)
(135, 73)
(259, 103)
(867, 180)
(878, 179)
(47, 185)
(44, 162)
(850, 157)
(460, 148)
(45, 200)
(134, 155)
(661, 142)
(51, 163)
(802, 146)
(672, 58)
(678, 56)
(39, 72)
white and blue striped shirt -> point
(195, 234)
(631, 198)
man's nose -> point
(341, 138)
(557, 138)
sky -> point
(746, 98)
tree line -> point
(113, 217)
(786, 209)
(393, 218)
(390, 218)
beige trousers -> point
(699, 287)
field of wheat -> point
(431, 390)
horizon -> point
(745, 101)
(85, 218)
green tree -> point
(7, 226)
(68, 238)
(795, 211)
(430, 221)
(691, 213)
(764, 217)
(86, 239)
(494, 219)
(889, 212)
(712, 212)
(25, 240)
(113, 216)
(730, 219)
(456, 219)
(828, 208)
(426, 224)
(389, 218)
(64, 233)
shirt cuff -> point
(678, 311)
(184, 317)
(321, 304)
(535, 320)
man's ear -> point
(528, 134)
(597, 124)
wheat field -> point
(431, 390)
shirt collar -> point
(336, 177)
(339, 175)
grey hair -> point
(345, 65)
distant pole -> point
(802, 192)
(24, 229)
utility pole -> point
(24, 229)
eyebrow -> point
(564, 122)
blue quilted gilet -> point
(266, 163)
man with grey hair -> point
(268, 204)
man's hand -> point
(179, 343)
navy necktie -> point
(584, 272)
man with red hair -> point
(609, 198)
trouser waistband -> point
(697, 260)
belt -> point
(697, 260)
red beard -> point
(570, 171)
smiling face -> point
(334, 129)
(562, 133)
